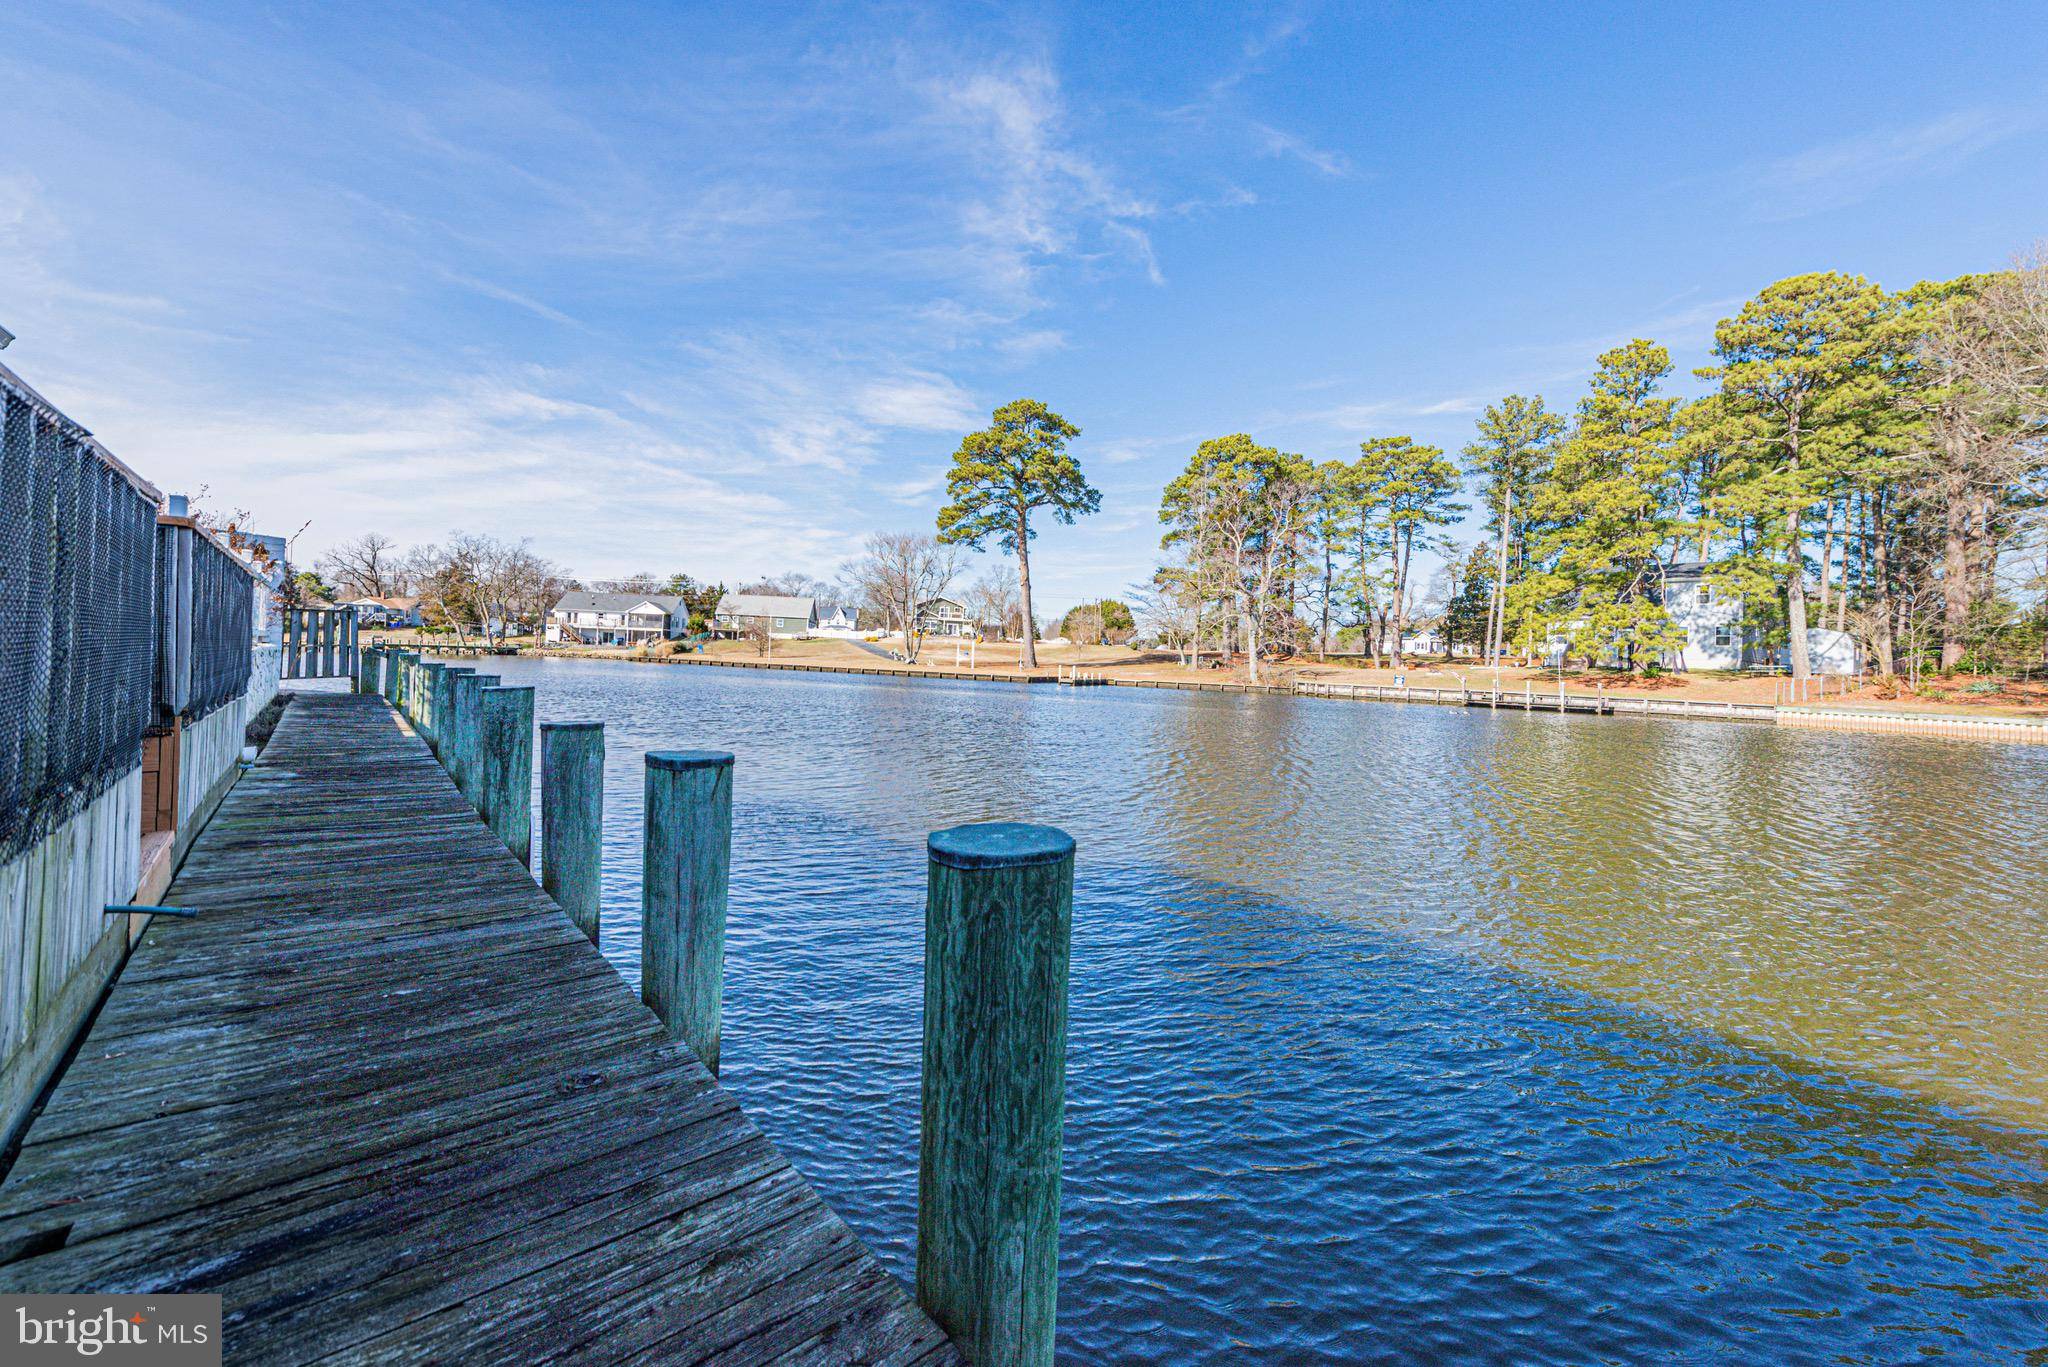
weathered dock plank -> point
(384, 1098)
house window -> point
(1706, 594)
(1724, 637)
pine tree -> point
(1611, 503)
(1511, 458)
(1414, 487)
(1803, 386)
(1000, 476)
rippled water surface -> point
(1418, 1034)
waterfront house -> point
(840, 620)
(580, 617)
(1711, 617)
(386, 612)
(943, 617)
(1427, 638)
(786, 617)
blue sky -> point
(719, 288)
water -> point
(1412, 1034)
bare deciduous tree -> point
(366, 567)
(994, 600)
(897, 574)
(481, 583)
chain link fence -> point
(204, 624)
(77, 599)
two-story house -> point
(1711, 616)
(943, 617)
(580, 617)
(837, 619)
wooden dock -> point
(388, 1102)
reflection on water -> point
(1415, 1034)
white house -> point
(616, 619)
(1711, 617)
(1424, 640)
(841, 620)
(786, 618)
(943, 617)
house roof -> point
(579, 600)
(1686, 569)
(393, 604)
(764, 605)
(826, 610)
(937, 607)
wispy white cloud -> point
(1253, 52)
(508, 296)
(1278, 143)
(1833, 175)
(917, 402)
(1039, 193)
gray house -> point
(943, 617)
(786, 618)
(616, 619)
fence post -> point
(686, 858)
(572, 817)
(506, 748)
(998, 919)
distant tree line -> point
(1871, 462)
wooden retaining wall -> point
(2018, 730)
(58, 947)
(969, 675)
(1531, 700)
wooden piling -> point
(467, 769)
(998, 920)
(505, 767)
(447, 708)
(686, 859)
(433, 702)
(394, 661)
(572, 817)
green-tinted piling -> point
(686, 859)
(505, 769)
(433, 702)
(448, 740)
(394, 660)
(572, 817)
(469, 732)
(998, 918)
